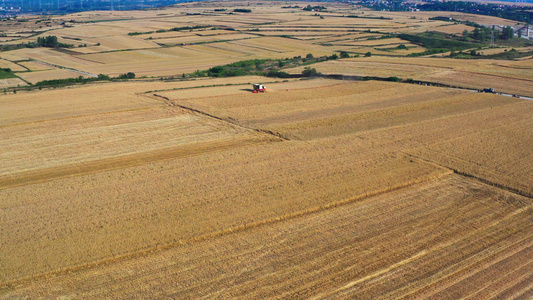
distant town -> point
(14, 7)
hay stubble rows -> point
(315, 189)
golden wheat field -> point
(118, 42)
(505, 76)
(171, 186)
(117, 190)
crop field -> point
(175, 186)
(175, 170)
(13, 66)
(453, 214)
(454, 29)
(340, 109)
(34, 66)
(203, 39)
(37, 76)
(12, 82)
(500, 155)
(505, 76)
(116, 42)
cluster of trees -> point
(266, 67)
(242, 10)
(51, 42)
(507, 33)
(314, 8)
(6, 73)
(171, 29)
(310, 72)
(129, 75)
(240, 68)
(65, 81)
(461, 54)
(81, 79)
(482, 34)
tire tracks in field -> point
(5, 286)
(229, 120)
(120, 162)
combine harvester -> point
(259, 88)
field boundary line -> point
(223, 232)
(480, 179)
(64, 68)
(230, 121)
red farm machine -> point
(259, 88)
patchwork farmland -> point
(171, 186)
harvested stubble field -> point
(275, 33)
(204, 39)
(11, 65)
(511, 77)
(316, 188)
(453, 29)
(331, 110)
(442, 256)
(12, 82)
(35, 66)
(37, 76)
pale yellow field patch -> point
(11, 65)
(36, 66)
(203, 39)
(37, 76)
(11, 82)
(454, 29)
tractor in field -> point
(259, 88)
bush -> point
(368, 54)
(242, 10)
(278, 74)
(188, 28)
(6, 73)
(344, 54)
(129, 75)
(394, 79)
(309, 72)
